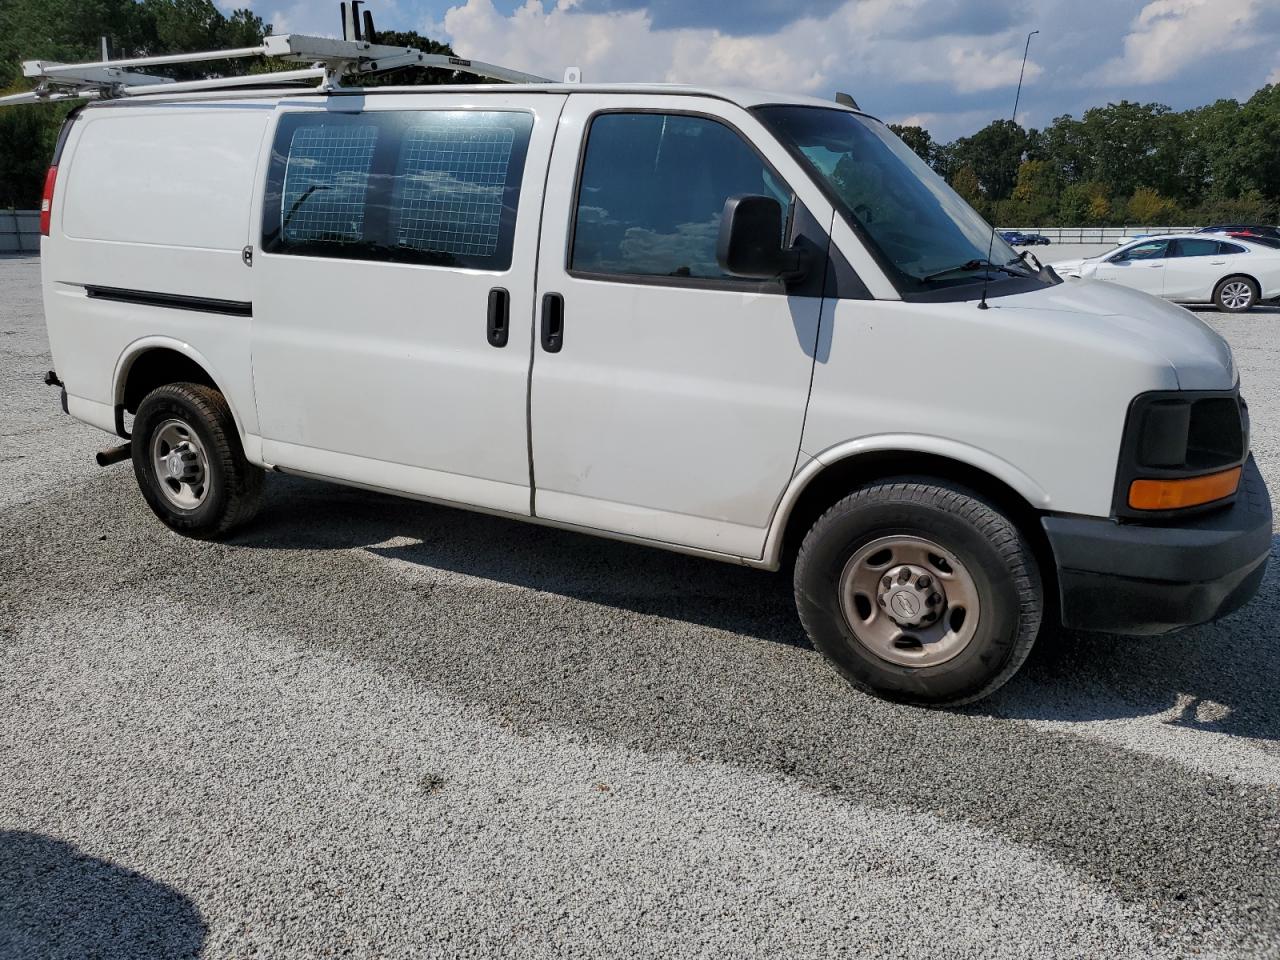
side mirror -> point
(750, 244)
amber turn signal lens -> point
(1189, 492)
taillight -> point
(46, 202)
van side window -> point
(652, 190)
(326, 182)
(436, 187)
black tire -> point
(232, 487)
(1232, 284)
(996, 557)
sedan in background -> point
(1016, 238)
(1233, 275)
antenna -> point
(991, 245)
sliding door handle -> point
(499, 319)
(552, 322)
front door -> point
(667, 398)
(1141, 267)
(394, 281)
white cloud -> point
(809, 55)
(314, 18)
(1167, 35)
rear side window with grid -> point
(435, 187)
(450, 183)
(326, 183)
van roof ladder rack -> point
(329, 61)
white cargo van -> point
(749, 326)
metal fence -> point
(1097, 234)
(19, 231)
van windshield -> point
(919, 229)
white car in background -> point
(1232, 274)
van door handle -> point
(499, 325)
(552, 322)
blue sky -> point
(950, 65)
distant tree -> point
(1035, 193)
(1147, 206)
(414, 76)
(965, 183)
(1083, 204)
(1100, 211)
(994, 154)
(1250, 207)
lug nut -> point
(934, 600)
(923, 582)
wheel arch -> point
(154, 361)
(1242, 275)
(832, 474)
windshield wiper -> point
(975, 265)
(967, 265)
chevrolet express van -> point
(747, 326)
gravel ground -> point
(369, 726)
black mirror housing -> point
(750, 244)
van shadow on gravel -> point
(1220, 677)
(57, 903)
(303, 514)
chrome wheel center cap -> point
(182, 465)
(911, 596)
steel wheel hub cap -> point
(910, 596)
(180, 463)
(909, 601)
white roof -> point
(744, 97)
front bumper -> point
(1130, 578)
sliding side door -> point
(394, 277)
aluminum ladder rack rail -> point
(330, 61)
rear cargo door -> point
(394, 277)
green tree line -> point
(71, 31)
(1125, 163)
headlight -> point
(1181, 450)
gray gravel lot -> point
(369, 726)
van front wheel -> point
(919, 591)
(189, 462)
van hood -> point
(1200, 357)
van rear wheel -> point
(189, 462)
(920, 592)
